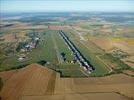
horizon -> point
(23, 6)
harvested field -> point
(104, 43)
(110, 45)
(52, 27)
(129, 60)
(36, 82)
(112, 83)
(9, 38)
(106, 30)
(32, 80)
(128, 72)
(86, 96)
(128, 48)
(32, 27)
(7, 74)
(125, 47)
(20, 25)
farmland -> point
(92, 58)
(30, 83)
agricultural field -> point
(30, 83)
(65, 55)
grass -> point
(91, 52)
(71, 70)
(90, 55)
(46, 51)
(62, 46)
(118, 63)
(71, 73)
(66, 69)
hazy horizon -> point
(66, 6)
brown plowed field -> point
(36, 82)
(32, 80)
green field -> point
(95, 55)
(66, 68)
(49, 50)
(44, 51)
(100, 68)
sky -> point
(66, 5)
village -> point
(27, 48)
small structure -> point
(22, 57)
(62, 56)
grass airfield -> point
(52, 45)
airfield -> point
(75, 58)
(51, 48)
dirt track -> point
(35, 82)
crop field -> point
(29, 83)
(121, 47)
(28, 76)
